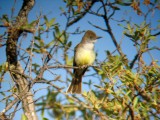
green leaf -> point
(152, 37)
(115, 7)
(49, 23)
(129, 91)
(37, 38)
(92, 97)
(2, 93)
(69, 44)
(85, 94)
(100, 72)
(5, 17)
(52, 21)
(46, 21)
(41, 42)
(57, 31)
(128, 35)
(36, 45)
(45, 119)
(68, 60)
(71, 101)
(124, 2)
(23, 117)
(135, 101)
(49, 44)
(32, 24)
(121, 25)
(36, 50)
(97, 86)
(3, 67)
(40, 104)
(35, 66)
(136, 35)
(41, 28)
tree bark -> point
(14, 32)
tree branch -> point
(81, 15)
(131, 112)
(134, 60)
(11, 53)
(98, 27)
(106, 19)
(158, 33)
(9, 106)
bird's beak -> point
(98, 37)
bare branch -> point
(81, 15)
(156, 34)
(134, 60)
(110, 30)
(98, 27)
(8, 107)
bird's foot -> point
(83, 66)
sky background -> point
(51, 8)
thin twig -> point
(9, 106)
(97, 27)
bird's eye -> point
(91, 37)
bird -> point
(84, 55)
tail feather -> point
(75, 86)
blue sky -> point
(52, 10)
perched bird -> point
(84, 55)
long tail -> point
(75, 86)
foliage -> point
(127, 88)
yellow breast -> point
(84, 57)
